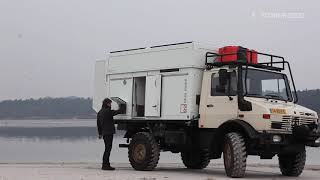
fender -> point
(238, 125)
(235, 125)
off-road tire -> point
(234, 155)
(196, 159)
(293, 164)
(150, 152)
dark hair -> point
(105, 102)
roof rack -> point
(243, 62)
(126, 50)
(264, 65)
(171, 44)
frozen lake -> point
(68, 141)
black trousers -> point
(108, 139)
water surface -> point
(70, 141)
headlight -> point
(276, 138)
(317, 141)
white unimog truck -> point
(188, 98)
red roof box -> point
(234, 53)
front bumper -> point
(303, 134)
(296, 141)
(307, 134)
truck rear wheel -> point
(143, 152)
(197, 159)
(292, 165)
(234, 155)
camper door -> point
(153, 96)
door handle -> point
(210, 105)
(154, 106)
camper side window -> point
(217, 89)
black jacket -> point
(105, 121)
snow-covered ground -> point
(84, 171)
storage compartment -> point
(121, 104)
(121, 88)
(234, 53)
(174, 96)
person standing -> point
(106, 129)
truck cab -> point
(273, 104)
(254, 105)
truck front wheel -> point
(292, 164)
(196, 159)
(143, 152)
(234, 155)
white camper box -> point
(160, 82)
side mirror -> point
(244, 105)
(223, 77)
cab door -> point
(221, 99)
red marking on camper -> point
(183, 108)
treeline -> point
(47, 108)
(81, 108)
(310, 99)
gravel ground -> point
(85, 171)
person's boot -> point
(107, 167)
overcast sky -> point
(48, 47)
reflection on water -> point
(76, 142)
(49, 129)
(52, 141)
(49, 133)
(49, 150)
(49, 123)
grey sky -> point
(48, 47)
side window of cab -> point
(226, 86)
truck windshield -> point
(266, 84)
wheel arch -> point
(240, 126)
(132, 128)
(236, 125)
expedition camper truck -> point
(204, 102)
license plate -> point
(278, 111)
